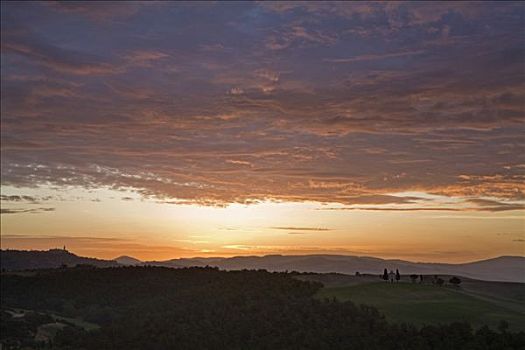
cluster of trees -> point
(204, 308)
(391, 276)
(455, 281)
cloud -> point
(432, 102)
(144, 57)
(25, 211)
(57, 237)
(292, 228)
(63, 60)
(296, 35)
(381, 199)
(487, 202)
(488, 209)
(373, 57)
(493, 205)
(17, 198)
(394, 209)
(236, 91)
(324, 9)
(98, 11)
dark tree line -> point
(204, 308)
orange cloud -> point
(218, 117)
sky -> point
(170, 129)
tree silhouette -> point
(440, 281)
(385, 275)
(413, 277)
(398, 276)
(455, 281)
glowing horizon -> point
(124, 223)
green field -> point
(428, 304)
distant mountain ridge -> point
(504, 268)
(128, 260)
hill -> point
(205, 308)
(505, 268)
(428, 304)
(128, 261)
(13, 260)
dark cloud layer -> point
(17, 198)
(25, 211)
(498, 208)
(214, 103)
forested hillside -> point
(204, 308)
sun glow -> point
(107, 223)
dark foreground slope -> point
(204, 308)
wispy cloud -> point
(54, 57)
(374, 57)
(294, 228)
(98, 11)
(489, 209)
(25, 211)
(17, 198)
(395, 209)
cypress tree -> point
(385, 275)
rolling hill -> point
(505, 268)
(422, 304)
(13, 260)
(128, 261)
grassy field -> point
(428, 304)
